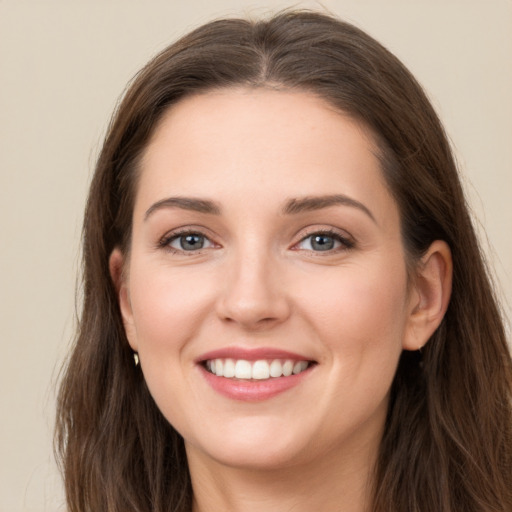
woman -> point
(285, 304)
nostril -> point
(252, 298)
(254, 322)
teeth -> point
(219, 368)
(276, 369)
(229, 368)
(258, 370)
(243, 369)
(300, 366)
(287, 368)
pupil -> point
(322, 243)
(190, 242)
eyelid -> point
(165, 240)
(346, 240)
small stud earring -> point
(136, 358)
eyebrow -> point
(185, 203)
(293, 206)
(312, 203)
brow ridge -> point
(311, 203)
(292, 207)
(185, 203)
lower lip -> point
(253, 390)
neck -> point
(329, 484)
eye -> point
(188, 242)
(323, 242)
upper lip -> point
(251, 354)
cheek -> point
(360, 311)
(168, 310)
(167, 306)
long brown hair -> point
(447, 445)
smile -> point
(261, 369)
(254, 374)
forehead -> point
(234, 116)
(250, 143)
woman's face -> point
(266, 242)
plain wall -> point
(63, 64)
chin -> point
(257, 447)
(252, 458)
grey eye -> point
(320, 242)
(190, 242)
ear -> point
(430, 295)
(117, 266)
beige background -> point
(63, 65)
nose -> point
(253, 295)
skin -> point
(258, 282)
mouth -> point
(255, 374)
(260, 369)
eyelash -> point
(345, 243)
(166, 240)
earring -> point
(420, 358)
(136, 358)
